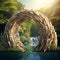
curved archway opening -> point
(11, 33)
(30, 33)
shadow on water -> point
(29, 56)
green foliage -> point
(58, 48)
(55, 21)
(25, 30)
(11, 6)
(53, 11)
(8, 8)
(29, 51)
(35, 30)
(28, 29)
(52, 46)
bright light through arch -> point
(37, 4)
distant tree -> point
(35, 30)
(52, 11)
(25, 30)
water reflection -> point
(29, 55)
(32, 57)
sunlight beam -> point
(37, 4)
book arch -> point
(11, 33)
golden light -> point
(37, 4)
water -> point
(29, 56)
(32, 57)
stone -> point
(11, 32)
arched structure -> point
(11, 33)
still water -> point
(29, 56)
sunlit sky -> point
(37, 4)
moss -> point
(58, 49)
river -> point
(29, 56)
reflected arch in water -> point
(32, 57)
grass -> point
(28, 48)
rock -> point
(11, 32)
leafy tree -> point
(29, 28)
(25, 30)
(8, 8)
(35, 30)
